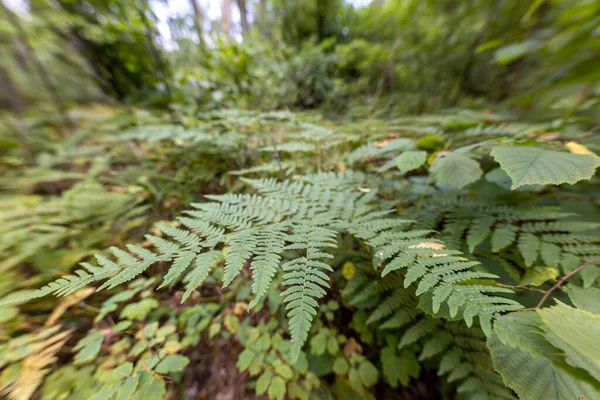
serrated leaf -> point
(535, 377)
(587, 299)
(263, 382)
(479, 231)
(528, 245)
(456, 171)
(504, 235)
(533, 165)
(277, 389)
(576, 332)
(411, 160)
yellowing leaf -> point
(348, 270)
(535, 276)
(577, 148)
(428, 245)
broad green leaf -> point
(577, 333)
(263, 382)
(150, 388)
(128, 388)
(368, 374)
(411, 160)
(535, 378)
(587, 299)
(277, 389)
(533, 165)
(501, 178)
(245, 359)
(537, 275)
(318, 343)
(172, 363)
(283, 370)
(340, 366)
(456, 171)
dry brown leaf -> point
(240, 308)
(33, 369)
(352, 346)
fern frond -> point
(306, 277)
(34, 365)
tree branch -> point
(562, 280)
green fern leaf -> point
(529, 246)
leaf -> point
(318, 343)
(587, 299)
(138, 311)
(456, 171)
(391, 368)
(150, 388)
(368, 374)
(577, 148)
(535, 377)
(172, 363)
(348, 270)
(88, 347)
(535, 276)
(411, 160)
(340, 366)
(283, 370)
(503, 236)
(528, 245)
(576, 332)
(533, 165)
(277, 389)
(263, 382)
(245, 359)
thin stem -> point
(562, 280)
(519, 287)
(276, 155)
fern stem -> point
(562, 280)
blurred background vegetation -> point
(357, 57)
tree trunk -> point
(160, 64)
(198, 18)
(226, 18)
(243, 17)
(41, 70)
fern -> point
(542, 235)
(302, 217)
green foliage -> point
(380, 252)
(537, 166)
(541, 354)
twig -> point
(519, 287)
(577, 139)
(276, 155)
(562, 280)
